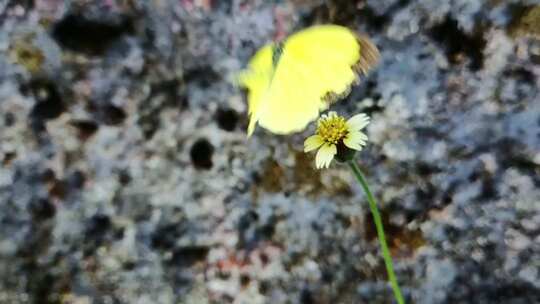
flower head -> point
(334, 132)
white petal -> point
(325, 155)
(358, 122)
(312, 143)
(355, 140)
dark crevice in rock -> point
(98, 225)
(374, 21)
(306, 297)
(227, 119)
(459, 44)
(9, 119)
(8, 158)
(85, 128)
(201, 154)
(203, 76)
(42, 209)
(49, 104)
(489, 188)
(58, 189)
(489, 288)
(251, 231)
(99, 230)
(77, 179)
(93, 37)
(124, 177)
(521, 74)
(112, 115)
(425, 169)
(189, 255)
(165, 94)
(165, 236)
(344, 12)
(511, 153)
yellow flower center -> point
(332, 128)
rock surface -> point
(126, 175)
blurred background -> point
(126, 175)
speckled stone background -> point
(126, 175)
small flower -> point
(333, 133)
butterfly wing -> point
(314, 62)
(256, 78)
(317, 65)
(328, 53)
(287, 107)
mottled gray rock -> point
(126, 175)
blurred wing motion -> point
(290, 83)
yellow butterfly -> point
(290, 82)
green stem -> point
(380, 231)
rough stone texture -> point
(126, 175)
